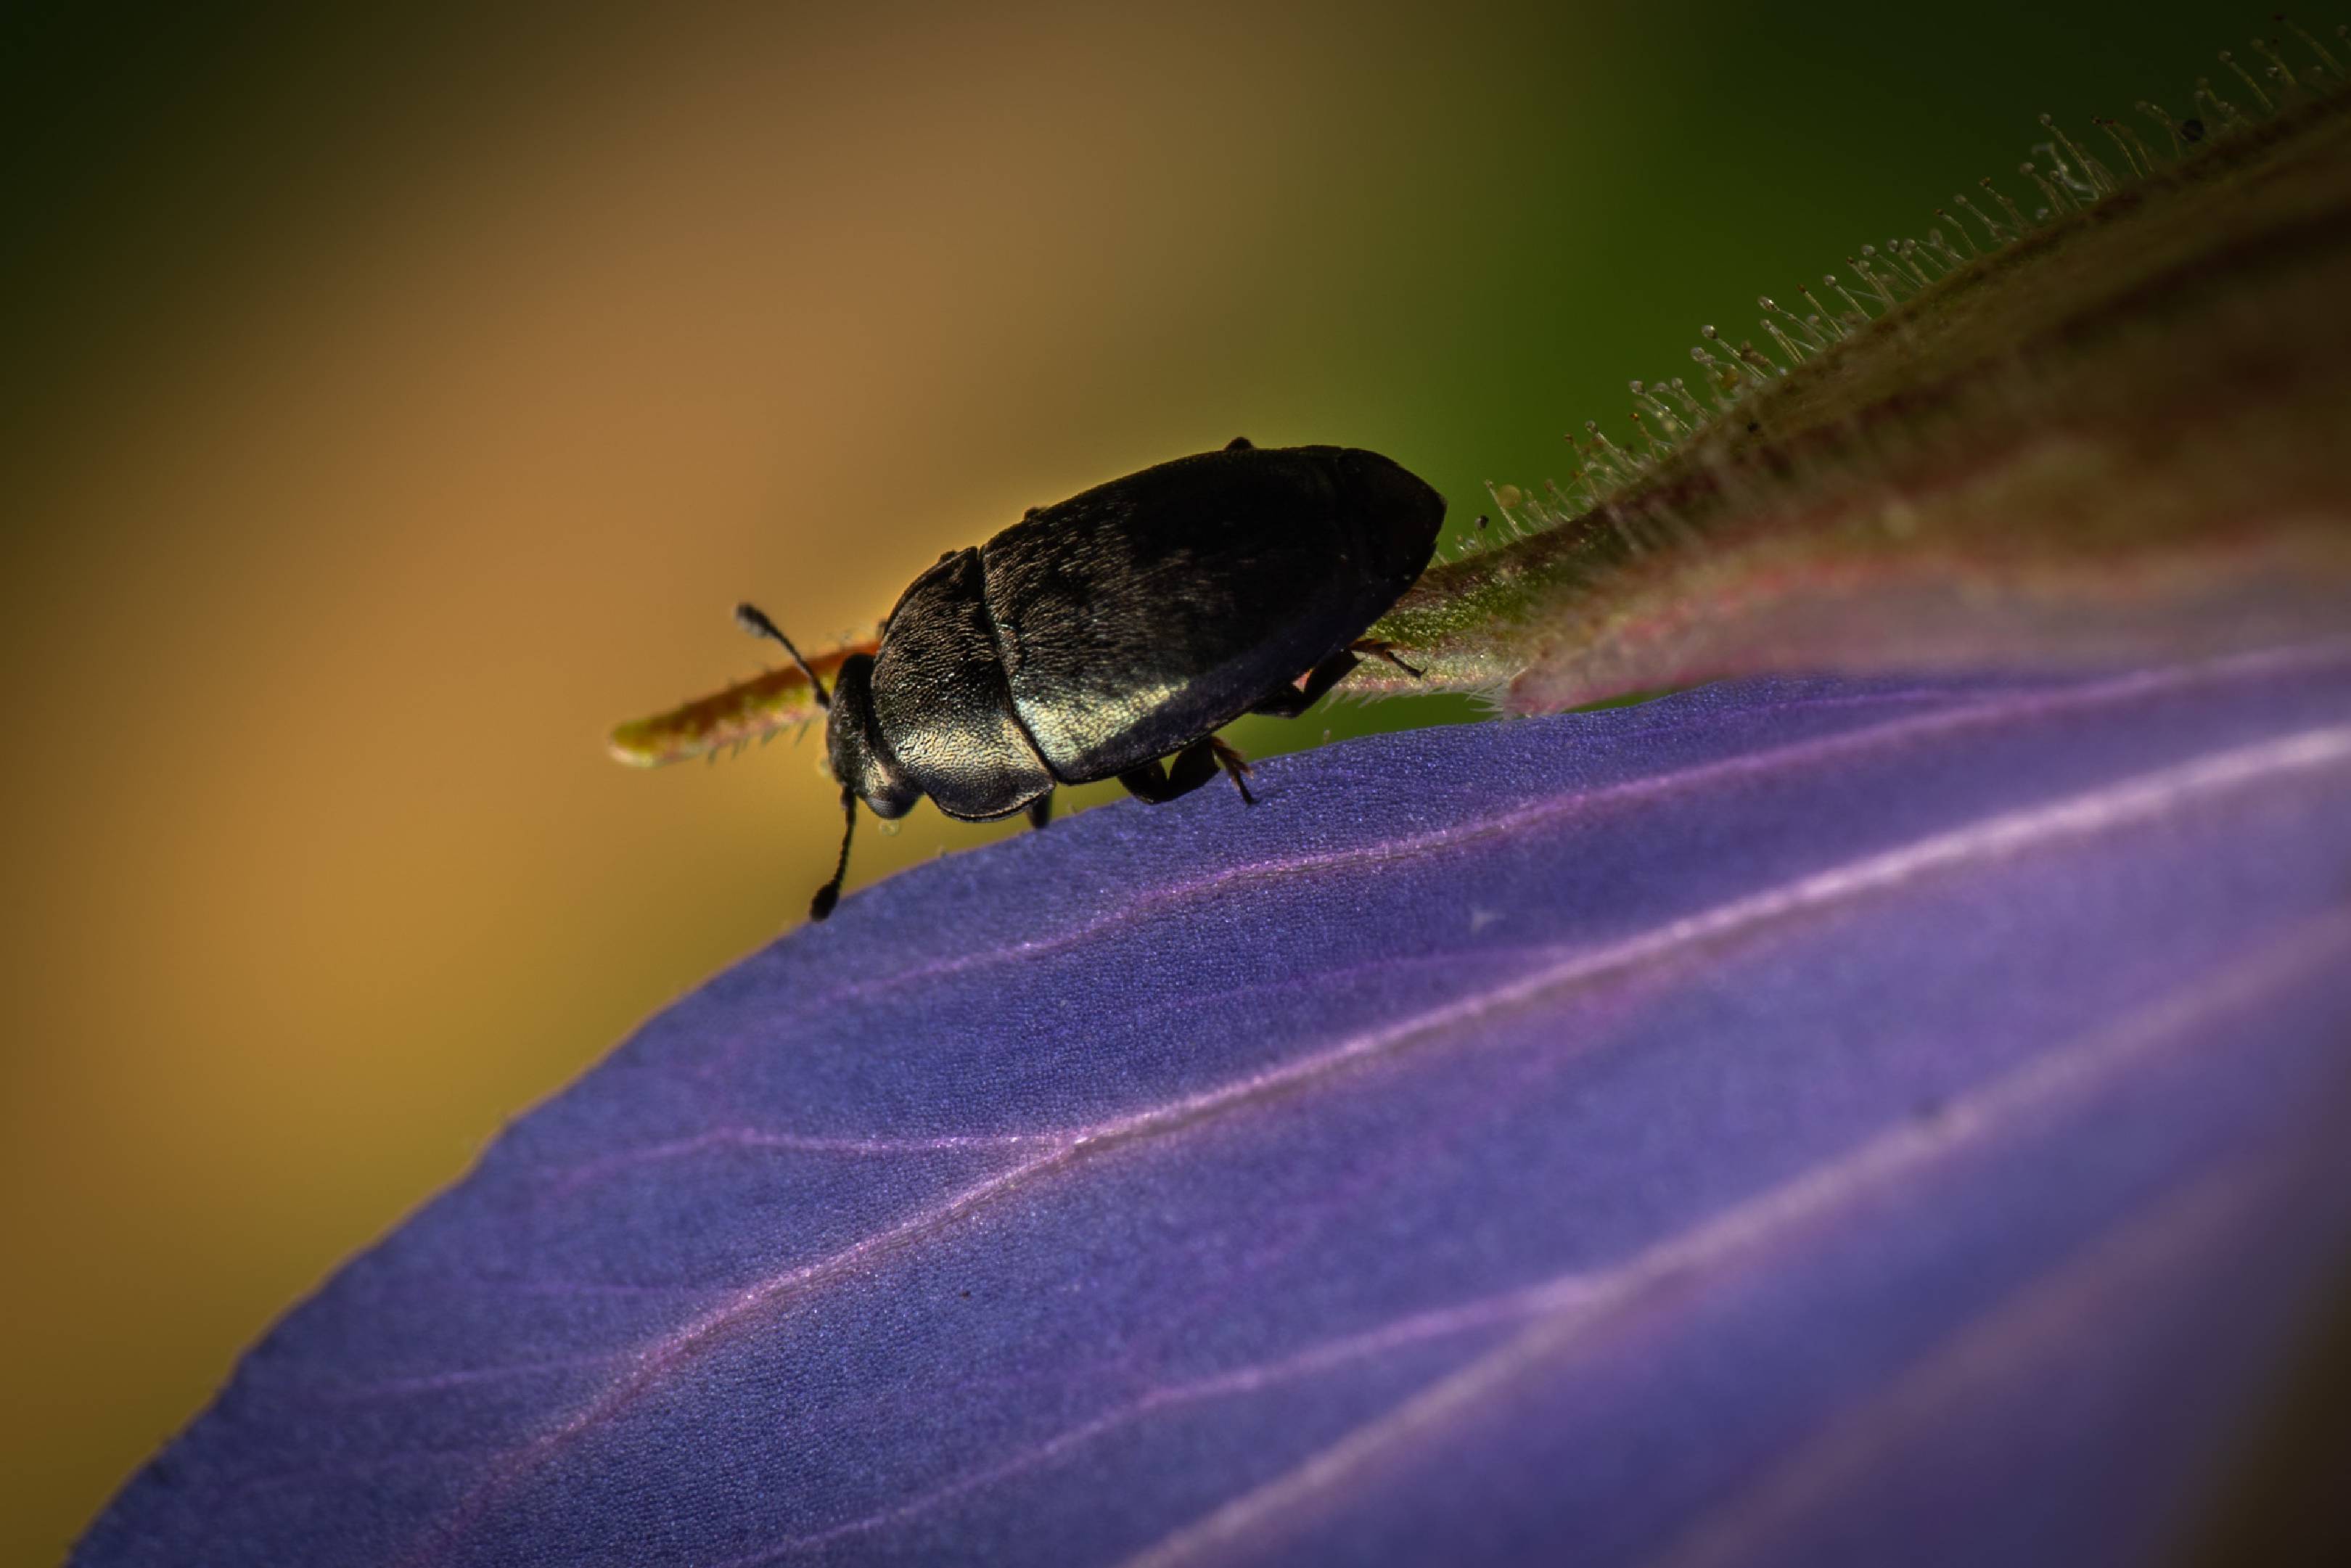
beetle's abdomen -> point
(939, 697)
(1145, 613)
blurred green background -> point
(393, 402)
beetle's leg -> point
(1192, 767)
(1150, 782)
(1040, 810)
(1386, 651)
(829, 894)
(1235, 764)
(1286, 701)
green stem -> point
(2119, 436)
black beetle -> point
(1093, 638)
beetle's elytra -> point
(1093, 638)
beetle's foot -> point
(1236, 768)
(1385, 650)
(1040, 810)
(1288, 701)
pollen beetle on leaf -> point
(1093, 638)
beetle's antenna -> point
(829, 894)
(752, 618)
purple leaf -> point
(1791, 1122)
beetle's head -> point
(1400, 514)
(854, 747)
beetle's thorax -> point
(854, 747)
(941, 710)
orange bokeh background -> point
(396, 404)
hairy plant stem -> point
(2119, 437)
